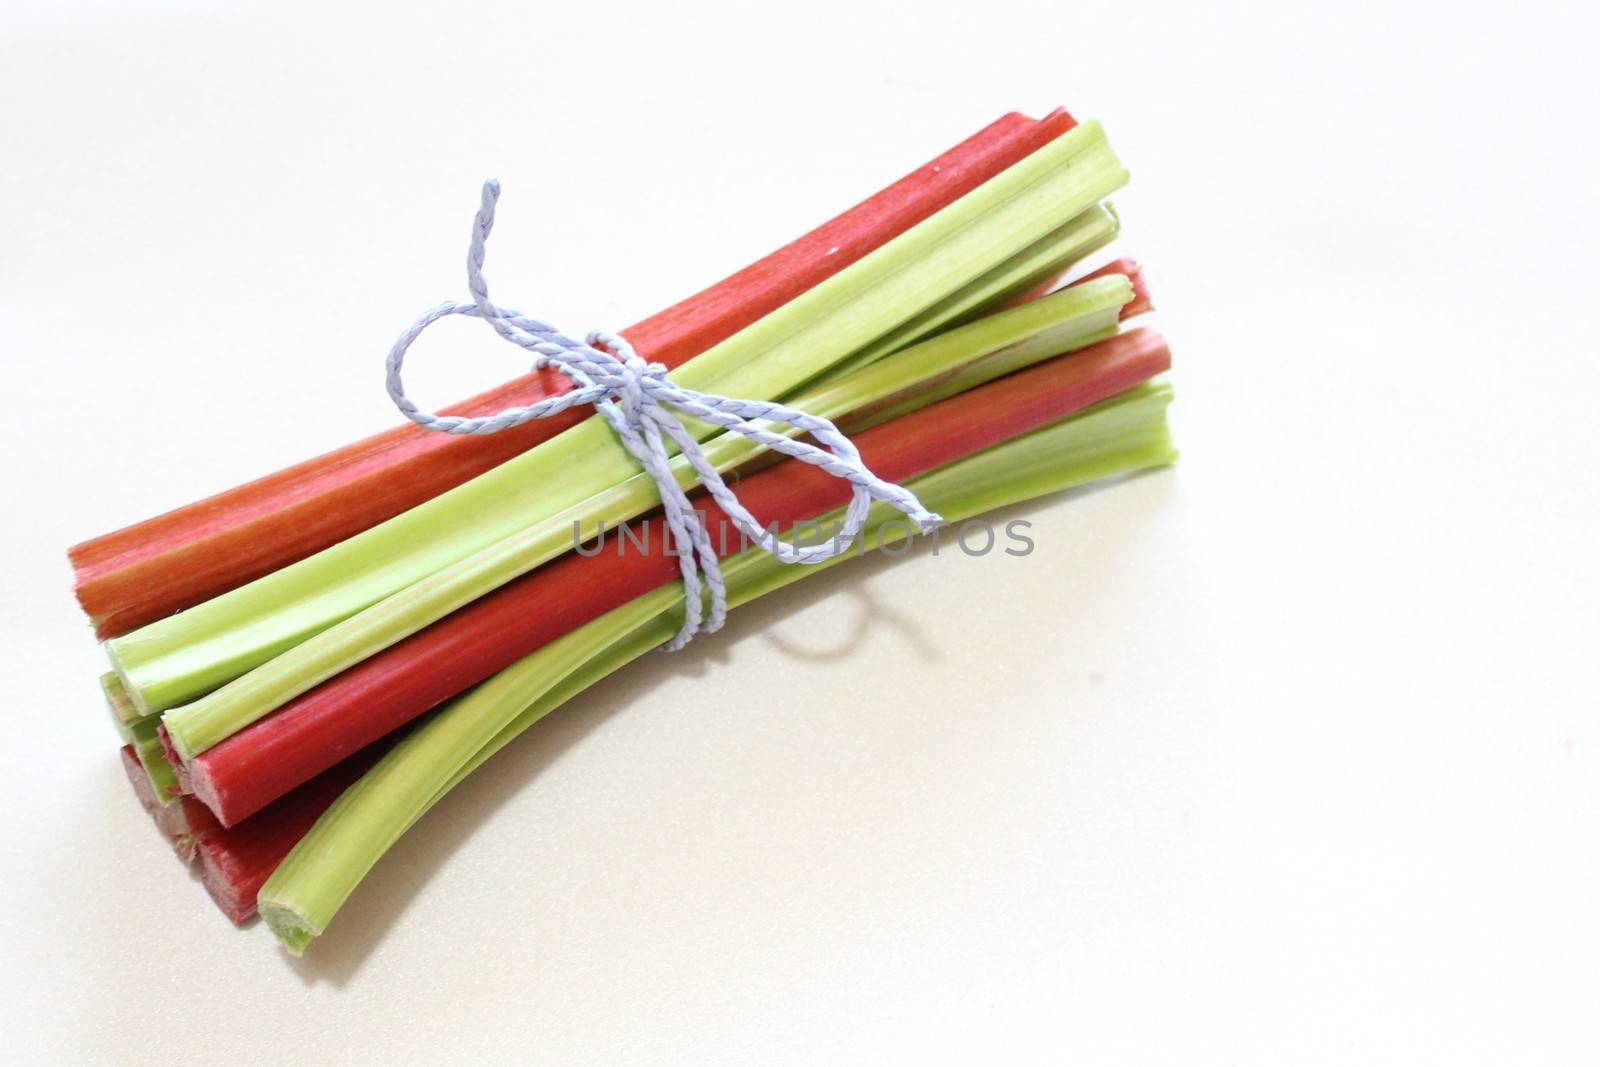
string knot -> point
(633, 379)
(634, 395)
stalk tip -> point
(293, 929)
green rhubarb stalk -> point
(189, 654)
(1046, 258)
(1125, 433)
(124, 715)
(937, 368)
(140, 732)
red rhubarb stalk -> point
(165, 564)
(324, 725)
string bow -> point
(635, 396)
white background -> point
(1287, 755)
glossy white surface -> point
(1287, 755)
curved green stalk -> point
(1123, 434)
(937, 368)
(189, 654)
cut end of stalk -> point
(1141, 302)
(205, 791)
(177, 746)
(163, 781)
(184, 824)
(293, 929)
(223, 883)
(129, 691)
(123, 714)
(175, 757)
(168, 819)
(85, 565)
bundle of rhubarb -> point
(303, 666)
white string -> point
(634, 396)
